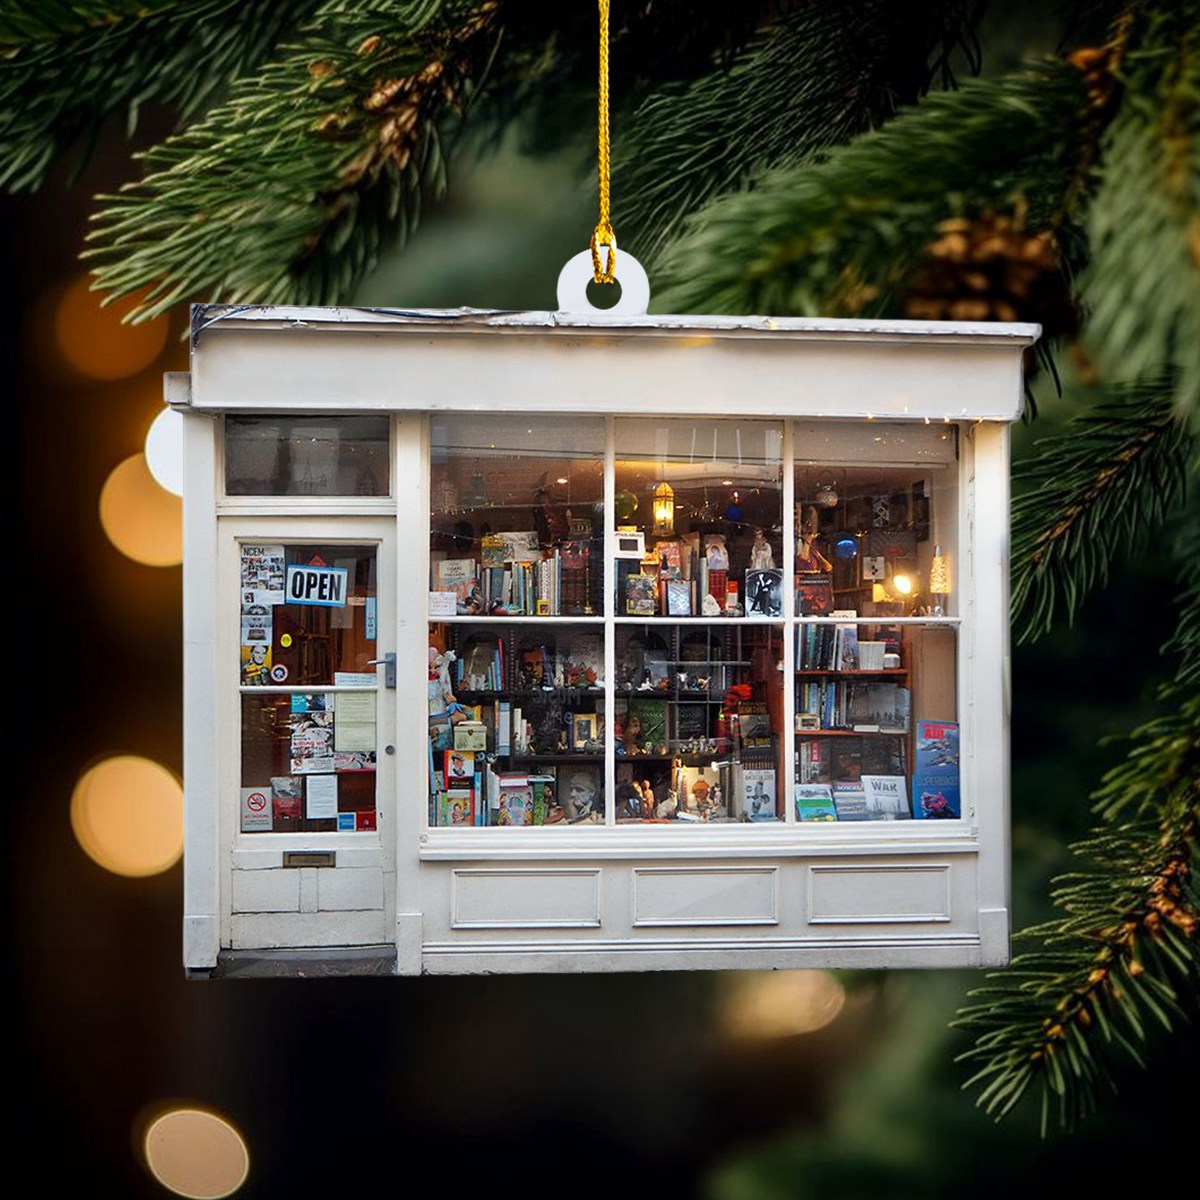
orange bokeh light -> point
(127, 814)
(143, 520)
(196, 1153)
(93, 340)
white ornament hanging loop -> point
(578, 272)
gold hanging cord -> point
(604, 235)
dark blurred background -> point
(661, 1084)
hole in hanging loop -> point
(604, 296)
(631, 284)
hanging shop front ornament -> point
(458, 701)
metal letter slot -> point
(310, 858)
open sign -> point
(325, 586)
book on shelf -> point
(935, 781)
(456, 806)
(640, 598)
(457, 575)
(886, 797)
(849, 800)
(879, 707)
(515, 803)
(678, 597)
(814, 802)
(543, 787)
(758, 793)
(812, 760)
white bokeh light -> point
(164, 450)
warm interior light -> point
(664, 508)
(939, 573)
(902, 584)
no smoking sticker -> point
(256, 809)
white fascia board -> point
(374, 360)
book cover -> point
(849, 800)
(935, 784)
(640, 595)
(814, 802)
(456, 806)
(679, 597)
(515, 806)
(698, 789)
(879, 707)
(758, 793)
(457, 765)
(886, 797)
(764, 593)
(814, 595)
(544, 803)
(937, 745)
(935, 795)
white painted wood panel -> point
(539, 897)
(706, 896)
(878, 894)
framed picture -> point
(874, 568)
(764, 593)
(679, 597)
(583, 730)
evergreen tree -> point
(836, 158)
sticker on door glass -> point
(256, 809)
(256, 664)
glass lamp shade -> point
(664, 508)
(939, 573)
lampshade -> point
(939, 573)
(664, 508)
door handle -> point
(389, 668)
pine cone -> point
(990, 268)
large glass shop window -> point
(622, 661)
(517, 724)
(308, 686)
(875, 704)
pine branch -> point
(817, 77)
(22, 21)
(287, 192)
(1142, 286)
(1088, 493)
(1121, 966)
(56, 93)
(843, 236)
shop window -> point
(306, 456)
(700, 689)
(308, 638)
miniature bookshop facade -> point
(524, 642)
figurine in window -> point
(808, 557)
(762, 557)
(631, 735)
(629, 802)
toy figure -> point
(808, 557)
(762, 557)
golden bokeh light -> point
(143, 520)
(127, 814)
(93, 340)
(196, 1153)
(775, 1004)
